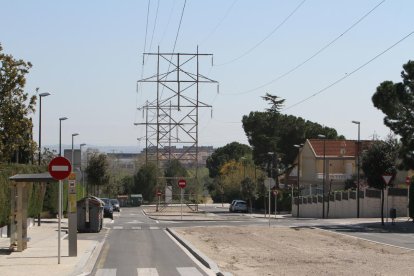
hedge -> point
(35, 192)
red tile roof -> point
(337, 148)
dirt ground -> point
(296, 251)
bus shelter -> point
(19, 204)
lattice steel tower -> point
(172, 118)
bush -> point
(35, 192)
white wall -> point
(369, 208)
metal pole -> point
(358, 172)
(275, 204)
(60, 216)
(323, 187)
(40, 129)
(297, 211)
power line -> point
(155, 24)
(168, 23)
(312, 56)
(266, 37)
(352, 72)
(220, 22)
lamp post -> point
(82, 173)
(60, 186)
(359, 124)
(271, 175)
(298, 147)
(323, 187)
(73, 135)
(60, 134)
(41, 95)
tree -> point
(276, 132)
(380, 159)
(145, 181)
(232, 151)
(396, 101)
(97, 170)
(16, 143)
(248, 189)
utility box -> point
(90, 214)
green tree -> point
(272, 131)
(16, 143)
(174, 169)
(380, 159)
(396, 101)
(248, 189)
(232, 151)
(145, 181)
(98, 171)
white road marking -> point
(118, 227)
(188, 271)
(147, 271)
(134, 221)
(136, 227)
(154, 228)
(106, 272)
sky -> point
(325, 58)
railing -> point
(335, 176)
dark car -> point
(115, 205)
(108, 208)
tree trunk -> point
(382, 206)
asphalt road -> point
(137, 245)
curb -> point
(206, 261)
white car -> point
(238, 205)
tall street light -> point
(41, 95)
(298, 147)
(323, 187)
(271, 176)
(83, 177)
(73, 135)
(359, 124)
(60, 134)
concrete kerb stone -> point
(206, 261)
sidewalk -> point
(41, 255)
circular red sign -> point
(60, 168)
(182, 183)
(407, 180)
(159, 193)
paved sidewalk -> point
(41, 255)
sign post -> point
(72, 216)
(181, 183)
(387, 179)
(59, 169)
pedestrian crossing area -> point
(150, 271)
(135, 227)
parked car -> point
(115, 205)
(233, 203)
(108, 208)
(240, 206)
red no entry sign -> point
(60, 168)
(182, 183)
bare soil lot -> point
(296, 251)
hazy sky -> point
(88, 55)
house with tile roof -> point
(339, 157)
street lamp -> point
(40, 123)
(73, 135)
(323, 187)
(298, 147)
(359, 124)
(83, 177)
(60, 134)
(271, 175)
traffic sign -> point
(159, 193)
(269, 182)
(182, 183)
(408, 180)
(60, 168)
(387, 178)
